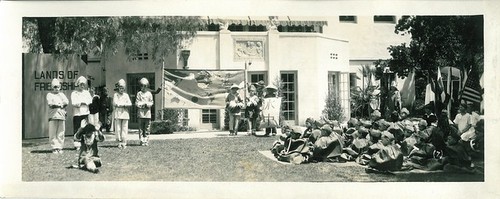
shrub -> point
(163, 127)
(333, 110)
(169, 123)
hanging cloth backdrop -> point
(200, 89)
(270, 112)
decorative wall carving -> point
(248, 49)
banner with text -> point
(200, 89)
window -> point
(333, 83)
(384, 19)
(353, 77)
(289, 80)
(209, 116)
(338, 84)
(259, 28)
(345, 94)
(256, 77)
(213, 27)
(234, 27)
(347, 19)
(140, 56)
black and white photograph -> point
(226, 104)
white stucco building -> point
(311, 55)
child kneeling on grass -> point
(88, 158)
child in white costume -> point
(57, 102)
(144, 101)
(80, 99)
(121, 103)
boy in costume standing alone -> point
(144, 101)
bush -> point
(169, 123)
(333, 110)
(163, 127)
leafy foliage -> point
(437, 41)
(103, 36)
(360, 101)
(169, 123)
(333, 109)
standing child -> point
(253, 109)
(233, 106)
(121, 103)
(94, 107)
(105, 110)
(57, 102)
(80, 99)
(144, 101)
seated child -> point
(328, 146)
(389, 157)
(293, 149)
(89, 135)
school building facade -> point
(312, 56)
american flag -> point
(472, 90)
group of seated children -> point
(433, 143)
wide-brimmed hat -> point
(352, 122)
(144, 81)
(387, 134)
(375, 133)
(296, 129)
(270, 86)
(366, 123)
(327, 128)
(363, 131)
(234, 86)
(383, 124)
(395, 129)
(422, 123)
(350, 131)
(81, 80)
(376, 113)
(55, 82)
(404, 110)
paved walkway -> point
(132, 135)
(183, 135)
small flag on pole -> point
(472, 90)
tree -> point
(103, 36)
(437, 41)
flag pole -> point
(449, 91)
(162, 81)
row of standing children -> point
(234, 104)
(89, 107)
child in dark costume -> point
(88, 158)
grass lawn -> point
(209, 159)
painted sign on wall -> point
(38, 72)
